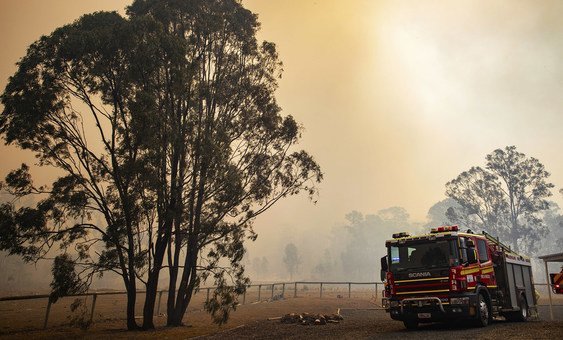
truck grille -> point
(434, 285)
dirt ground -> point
(363, 319)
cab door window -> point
(467, 250)
(482, 250)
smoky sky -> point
(396, 97)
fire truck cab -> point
(451, 275)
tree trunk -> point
(172, 286)
(514, 233)
(185, 288)
(183, 301)
(150, 298)
(131, 299)
(152, 282)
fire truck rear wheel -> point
(482, 312)
(523, 313)
(410, 324)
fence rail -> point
(264, 287)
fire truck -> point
(454, 275)
(557, 282)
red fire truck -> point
(557, 282)
(452, 275)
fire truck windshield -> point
(423, 254)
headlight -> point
(459, 301)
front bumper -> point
(432, 309)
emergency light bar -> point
(444, 229)
(401, 234)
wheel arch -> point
(482, 289)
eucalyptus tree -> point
(232, 151)
(75, 101)
(170, 142)
(506, 198)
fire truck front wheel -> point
(482, 312)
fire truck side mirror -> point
(470, 243)
(384, 268)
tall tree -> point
(506, 198)
(233, 148)
(480, 201)
(360, 233)
(553, 220)
(291, 259)
(71, 102)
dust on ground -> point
(363, 319)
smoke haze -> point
(396, 97)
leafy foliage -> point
(65, 279)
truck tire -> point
(522, 314)
(482, 312)
(410, 324)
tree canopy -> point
(505, 198)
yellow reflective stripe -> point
(430, 279)
(488, 270)
(424, 291)
(491, 286)
(470, 271)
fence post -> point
(244, 297)
(375, 292)
(321, 290)
(47, 314)
(95, 297)
(207, 299)
(283, 290)
(158, 308)
(272, 292)
(349, 290)
(295, 291)
(259, 291)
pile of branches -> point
(307, 319)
